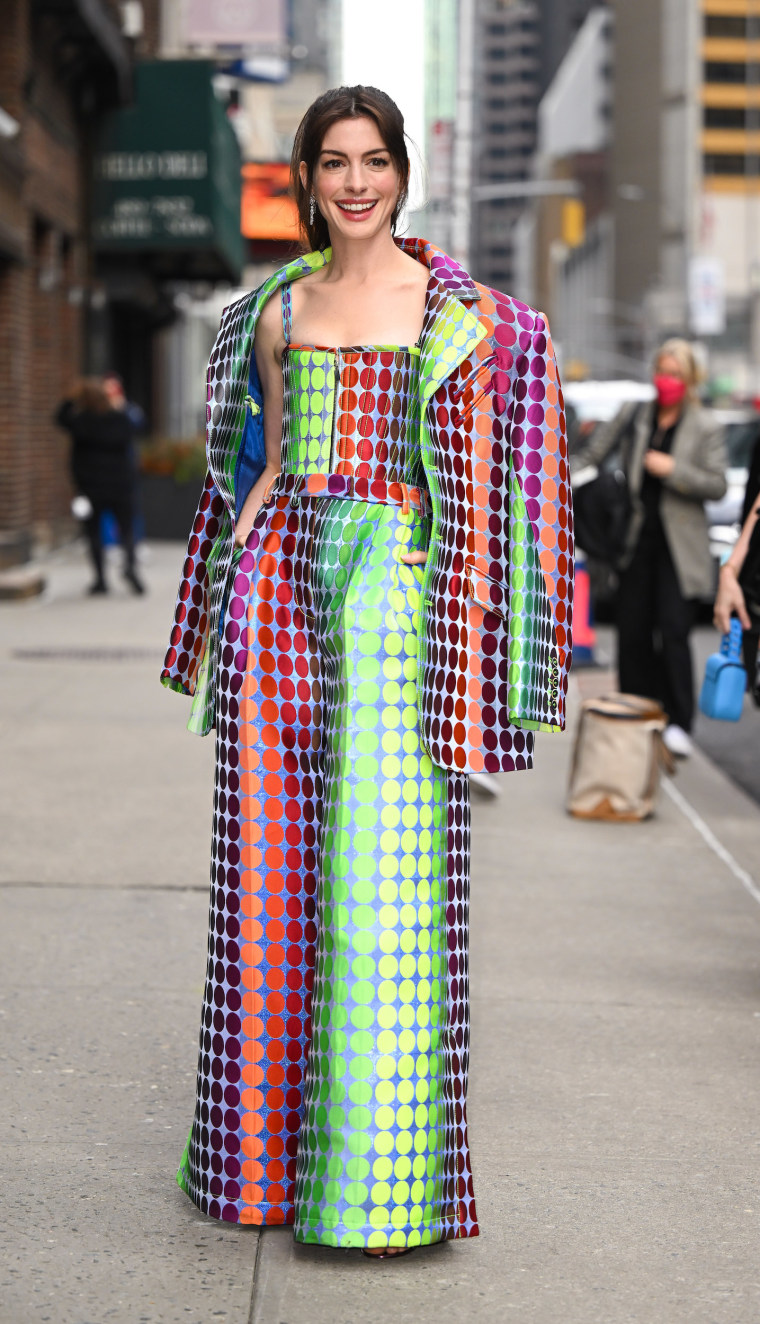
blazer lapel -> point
(686, 434)
(232, 362)
(642, 431)
(449, 335)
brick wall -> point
(41, 296)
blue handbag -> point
(725, 679)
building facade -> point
(505, 105)
(564, 250)
(518, 47)
(121, 134)
(61, 67)
(560, 21)
(726, 224)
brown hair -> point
(88, 395)
(344, 103)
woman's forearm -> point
(730, 598)
(254, 502)
(738, 555)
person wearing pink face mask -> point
(674, 458)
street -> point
(615, 979)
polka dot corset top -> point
(351, 411)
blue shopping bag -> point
(725, 679)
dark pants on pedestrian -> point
(122, 509)
(654, 621)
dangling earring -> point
(312, 208)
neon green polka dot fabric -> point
(371, 1160)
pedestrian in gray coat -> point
(674, 458)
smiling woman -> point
(351, 156)
(376, 602)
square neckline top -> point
(287, 327)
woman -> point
(386, 454)
(102, 469)
(675, 460)
(739, 579)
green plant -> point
(183, 459)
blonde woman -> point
(674, 458)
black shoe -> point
(135, 584)
(100, 586)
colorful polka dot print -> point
(348, 868)
(351, 695)
(497, 595)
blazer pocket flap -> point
(489, 593)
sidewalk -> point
(615, 1100)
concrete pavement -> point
(614, 1105)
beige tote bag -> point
(617, 758)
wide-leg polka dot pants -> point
(335, 1035)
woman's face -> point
(668, 366)
(356, 184)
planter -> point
(167, 507)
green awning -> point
(167, 177)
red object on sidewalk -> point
(584, 634)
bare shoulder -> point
(413, 273)
(311, 278)
(269, 339)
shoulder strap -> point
(287, 312)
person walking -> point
(103, 471)
(375, 602)
(674, 459)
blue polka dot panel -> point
(351, 694)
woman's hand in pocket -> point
(244, 526)
(260, 492)
(414, 558)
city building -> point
(268, 68)
(442, 50)
(559, 23)
(123, 130)
(517, 50)
(653, 241)
(671, 245)
(563, 240)
(725, 128)
(505, 103)
(61, 67)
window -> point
(725, 117)
(725, 25)
(724, 163)
(724, 71)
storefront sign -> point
(167, 174)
